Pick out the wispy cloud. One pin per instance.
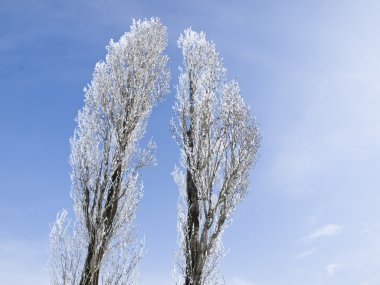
(324, 232)
(332, 268)
(305, 254)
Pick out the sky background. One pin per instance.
(310, 71)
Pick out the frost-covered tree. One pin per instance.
(219, 140)
(101, 246)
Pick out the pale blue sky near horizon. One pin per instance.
(310, 70)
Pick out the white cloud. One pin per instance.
(325, 231)
(305, 254)
(333, 268)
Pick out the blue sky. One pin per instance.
(310, 71)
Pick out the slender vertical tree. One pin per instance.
(219, 140)
(101, 247)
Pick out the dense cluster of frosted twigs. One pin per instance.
(218, 140)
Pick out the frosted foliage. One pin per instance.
(105, 155)
(65, 251)
(218, 140)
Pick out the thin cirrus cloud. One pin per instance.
(305, 254)
(324, 232)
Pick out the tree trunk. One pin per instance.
(89, 271)
(193, 268)
(95, 251)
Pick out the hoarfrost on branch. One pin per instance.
(101, 247)
(218, 140)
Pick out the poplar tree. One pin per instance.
(218, 140)
(100, 247)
